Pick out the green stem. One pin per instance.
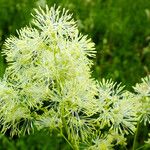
(136, 135)
(65, 126)
(141, 147)
(67, 140)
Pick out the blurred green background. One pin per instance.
(120, 30)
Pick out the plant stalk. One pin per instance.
(136, 136)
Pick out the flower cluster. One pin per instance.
(48, 85)
(117, 108)
(143, 96)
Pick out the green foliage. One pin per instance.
(37, 141)
(48, 86)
